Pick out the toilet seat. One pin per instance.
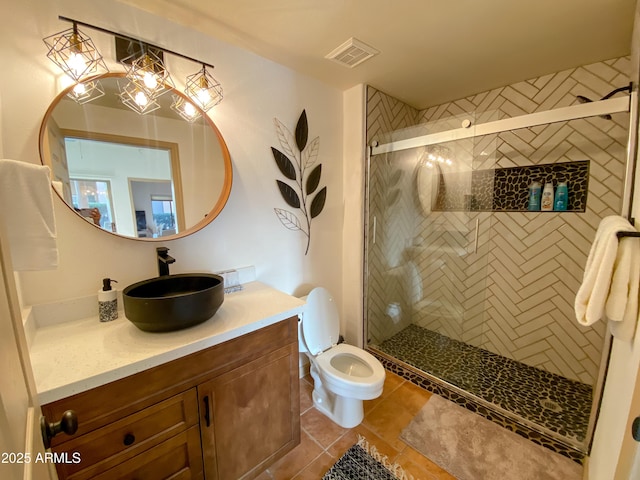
(364, 384)
(320, 324)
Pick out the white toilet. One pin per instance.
(343, 375)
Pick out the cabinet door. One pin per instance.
(250, 416)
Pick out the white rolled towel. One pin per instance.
(27, 215)
(592, 296)
(621, 308)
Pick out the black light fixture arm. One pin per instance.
(133, 39)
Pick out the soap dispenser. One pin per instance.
(107, 301)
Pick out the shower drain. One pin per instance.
(550, 405)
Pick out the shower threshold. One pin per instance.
(545, 402)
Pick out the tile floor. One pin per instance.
(323, 442)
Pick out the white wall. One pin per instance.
(353, 228)
(247, 232)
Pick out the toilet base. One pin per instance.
(346, 412)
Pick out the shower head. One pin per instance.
(617, 90)
(583, 99)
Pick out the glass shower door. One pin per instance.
(427, 257)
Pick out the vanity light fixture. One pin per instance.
(85, 92)
(184, 108)
(148, 77)
(203, 89)
(75, 53)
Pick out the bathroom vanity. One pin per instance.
(218, 401)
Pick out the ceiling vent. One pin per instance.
(352, 52)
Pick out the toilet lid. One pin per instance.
(320, 323)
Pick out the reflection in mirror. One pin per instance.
(151, 176)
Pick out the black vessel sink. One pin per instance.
(173, 302)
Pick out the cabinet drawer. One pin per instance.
(178, 458)
(112, 444)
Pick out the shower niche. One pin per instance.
(507, 189)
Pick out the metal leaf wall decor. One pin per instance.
(296, 162)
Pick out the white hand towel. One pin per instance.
(592, 295)
(27, 215)
(622, 303)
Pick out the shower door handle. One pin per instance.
(375, 226)
(475, 241)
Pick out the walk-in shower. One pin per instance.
(470, 294)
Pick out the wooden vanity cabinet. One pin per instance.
(223, 413)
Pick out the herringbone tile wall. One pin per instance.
(512, 292)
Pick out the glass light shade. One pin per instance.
(75, 53)
(137, 99)
(185, 108)
(203, 90)
(149, 74)
(86, 91)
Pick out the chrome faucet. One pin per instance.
(164, 259)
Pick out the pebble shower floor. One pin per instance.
(543, 398)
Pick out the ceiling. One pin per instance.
(431, 51)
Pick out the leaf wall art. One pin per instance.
(299, 189)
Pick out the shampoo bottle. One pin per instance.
(534, 196)
(107, 301)
(546, 202)
(562, 197)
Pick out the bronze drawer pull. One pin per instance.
(129, 438)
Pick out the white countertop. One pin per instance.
(75, 356)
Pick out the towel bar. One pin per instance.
(627, 234)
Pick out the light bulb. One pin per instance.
(150, 80)
(79, 89)
(141, 99)
(203, 96)
(189, 109)
(76, 63)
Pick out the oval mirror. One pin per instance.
(152, 177)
